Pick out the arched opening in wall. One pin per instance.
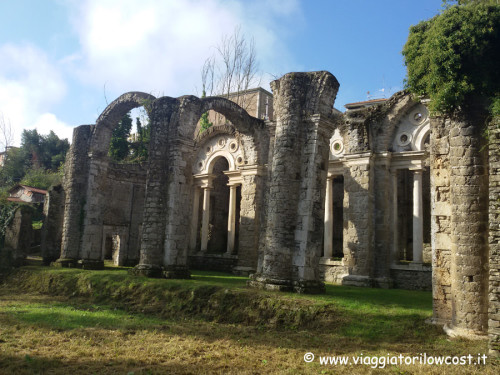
(406, 230)
(219, 236)
(130, 138)
(219, 203)
(338, 217)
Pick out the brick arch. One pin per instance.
(110, 117)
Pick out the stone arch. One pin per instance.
(172, 149)
(384, 122)
(221, 154)
(412, 130)
(91, 244)
(110, 117)
(418, 143)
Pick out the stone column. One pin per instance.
(469, 222)
(418, 231)
(75, 187)
(395, 233)
(494, 238)
(205, 221)
(194, 218)
(231, 219)
(328, 231)
(297, 183)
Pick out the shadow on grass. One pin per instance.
(29, 365)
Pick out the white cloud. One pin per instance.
(48, 121)
(29, 86)
(160, 46)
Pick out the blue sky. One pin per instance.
(61, 61)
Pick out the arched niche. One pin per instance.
(412, 131)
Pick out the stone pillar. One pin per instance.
(18, 235)
(440, 219)
(75, 186)
(469, 222)
(53, 210)
(295, 210)
(91, 247)
(194, 218)
(165, 238)
(395, 236)
(205, 221)
(418, 217)
(383, 231)
(494, 237)
(328, 232)
(358, 200)
(231, 219)
(252, 189)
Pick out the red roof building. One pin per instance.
(27, 194)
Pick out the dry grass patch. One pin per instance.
(78, 335)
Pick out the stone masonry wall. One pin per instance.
(440, 219)
(494, 237)
(75, 186)
(296, 186)
(358, 238)
(251, 195)
(53, 210)
(469, 222)
(19, 234)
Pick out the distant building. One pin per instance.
(364, 104)
(3, 155)
(26, 194)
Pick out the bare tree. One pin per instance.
(6, 134)
(232, 70)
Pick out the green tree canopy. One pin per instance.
(119, 146)
(37, 162)
(453, 57)
(44, 151)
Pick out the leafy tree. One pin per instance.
(140, 145)
(37, 162)
(119, 146)
(40, 178)
(44, 151)
(15, 167)
(453, 57)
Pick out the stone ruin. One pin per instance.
(381, 196)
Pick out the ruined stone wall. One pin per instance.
(440, 219)
(404, 277)
(494, 237)
(75, 186)
(19, 234)
(295, 202)
(469, 222)
(53, 210)
(250, 209)
(123, 207)
(382, 224)
(358, 238)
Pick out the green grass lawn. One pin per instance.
(60, 321)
